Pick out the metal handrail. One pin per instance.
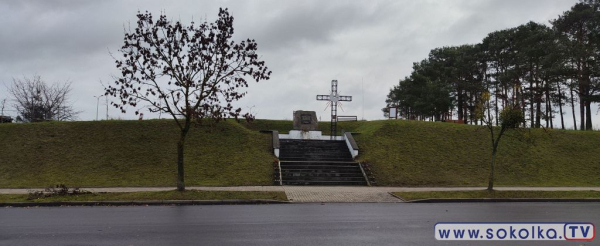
(280, 177)
(364, 173)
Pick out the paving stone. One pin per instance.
(337, 194)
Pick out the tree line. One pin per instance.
(544, 70)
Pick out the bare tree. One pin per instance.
(191, 72)
(37, 101)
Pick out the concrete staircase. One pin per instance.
(318, 162)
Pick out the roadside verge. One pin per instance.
(142, 203)
(499, 196)
(172, 197)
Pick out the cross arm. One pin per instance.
(323, 98)
(345, 98)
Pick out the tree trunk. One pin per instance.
(560, 105)
(538, 111)
(549, 116)
(581, 112)
(489, 109)
(180, 171)
(180, 152)
(523, 105)
(588, 119)
(531, 102)
(496, 104)
(505, 97)
(459, 105)
(491, 180)
(580, 83)
(538, 103)
(466, 116)
(573, 110)
(494, 148)
(581, 101)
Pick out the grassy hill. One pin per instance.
(416, 153)
(131, 153)
(401, 153)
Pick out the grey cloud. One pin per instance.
(305, 43)
(313, 22)
(50, 32)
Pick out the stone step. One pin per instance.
(323, 178)
(325, 146)
(290, 165)
(310, 141)
(317, 145)
(324, 171)
(327, 175)
(314, 143)
(309, 178)
(315, 151)
(318, 150)
(284, 163)
(337, 167)
(308, 182)
(318, 162)
(311, 150)
(313, 159)
(321, 146)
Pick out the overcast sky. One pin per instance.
(305, 43)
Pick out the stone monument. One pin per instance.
(306, 126)
(305, 121)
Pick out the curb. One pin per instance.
(397, 197)
(143, 203)
(491, 200)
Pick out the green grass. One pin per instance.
(131, 153)
(411, 153)
(400, 153)
(411, 196)
(417, 153)
(154, 195)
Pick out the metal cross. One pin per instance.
(334, 98)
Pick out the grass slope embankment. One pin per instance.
(131, 153)
(417, 153)
(400, 153)
(412, 153)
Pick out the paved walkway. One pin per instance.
(337, 194)
(323, 193)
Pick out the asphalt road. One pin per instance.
(285, 224)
